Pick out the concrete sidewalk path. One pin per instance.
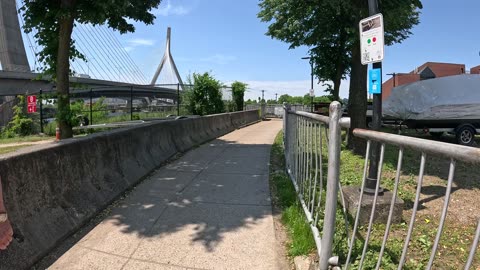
(210, 209)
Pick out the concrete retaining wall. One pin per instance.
(51, 192)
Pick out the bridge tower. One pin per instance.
(167, 59)
(13, 56)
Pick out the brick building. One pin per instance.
(426, 71)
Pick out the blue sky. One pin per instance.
(226, 38)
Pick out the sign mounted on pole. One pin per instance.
(312, 93)
(374, 81)
(371, 39)
(31, 104)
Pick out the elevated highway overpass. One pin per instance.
(19, 83)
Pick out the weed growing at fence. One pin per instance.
(284, 196)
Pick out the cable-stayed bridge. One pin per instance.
(107, 66)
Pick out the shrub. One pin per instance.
(21, 124)
(205, 96)
(238, 92)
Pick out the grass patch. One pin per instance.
(4, 150)
(285, 198)
(33, 138)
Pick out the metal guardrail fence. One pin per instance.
(304, 139)
(275, 110)
(305, 134)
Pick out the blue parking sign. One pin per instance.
(375, 81)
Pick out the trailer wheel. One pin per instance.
(465, 135)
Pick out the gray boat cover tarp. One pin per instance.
(453, 97)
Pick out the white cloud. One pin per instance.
(141, 42)
(219, 59)
(169, 9)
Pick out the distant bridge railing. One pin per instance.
(276, 110)
(313, 143)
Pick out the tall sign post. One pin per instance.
(372, 52)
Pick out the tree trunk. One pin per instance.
(63, 69)
(339, 68)
(357, 100)
(336, 82)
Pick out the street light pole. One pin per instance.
(376, 121)
(311, 81)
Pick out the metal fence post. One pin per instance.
(333, 178)
(131, 103)
(286, 109)
(41, 111)
(178, 99)
(91, 106)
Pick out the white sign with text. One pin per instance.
(371, 39)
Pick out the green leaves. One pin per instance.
(205, 96)
(238, 91)
(330, 29)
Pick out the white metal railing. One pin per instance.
(275, 110)
(307, 136)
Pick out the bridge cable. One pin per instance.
(104, 74)
(129, 67)
(82, 51)
(128, 57)
(101, 46)
(113, 59)
(81, 41)
(112, 47)
(100, 52)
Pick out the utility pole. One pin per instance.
(392, 74)
(276, 97)
(311, 81)
(376, 121)
(263, 100)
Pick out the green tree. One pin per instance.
(238, 92)
(330, 29)
(323, 99)
(271, 101)
(205, 96)
(54, 22)
(249, 101)
(284, 99)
